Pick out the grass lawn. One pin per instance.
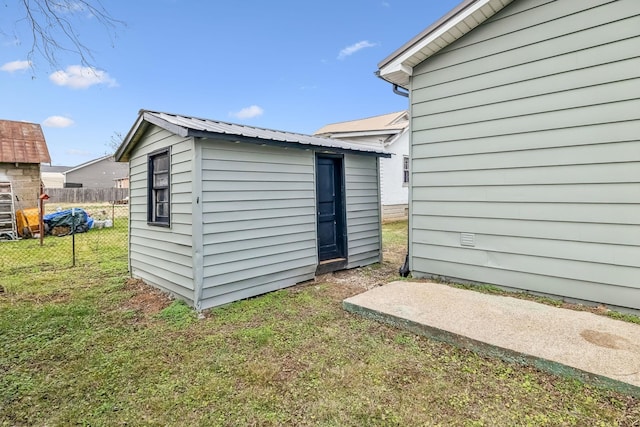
(89, 346)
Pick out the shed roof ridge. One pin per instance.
(190, 126)
(241, 125)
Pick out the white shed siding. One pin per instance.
(163, 256)
(259, 227)
(526, 133)
(363, 210)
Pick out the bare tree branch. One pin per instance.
(52, 28)
(115, 141)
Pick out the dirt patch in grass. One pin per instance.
(145, 299)
(357, 280)
(54, 296)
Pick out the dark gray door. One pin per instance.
(330, 200)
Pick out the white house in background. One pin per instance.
(53, 176)
(390, 132)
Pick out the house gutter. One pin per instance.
(399, 92)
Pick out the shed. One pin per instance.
(221, 212)
(391, 132)
(525, 146)
(22, 149)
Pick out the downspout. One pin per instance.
(404, 269)
(397, 91)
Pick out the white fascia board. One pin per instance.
(396, 137)
(338, 135)
(403, 63)
(398, 70)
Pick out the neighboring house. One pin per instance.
(22, 149)
(525, 146)
(221, 212)
(122, 182)
(97, 173)
(53, 176)
(391, 132)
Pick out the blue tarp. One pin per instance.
(77, 216)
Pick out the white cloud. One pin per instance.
(13, 42)
(350, 50)
(75, 6)
(248, 112)
(78, 77)
(386, 4)
(58, 122)
(16, 66)
(70, 7)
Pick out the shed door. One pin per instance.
(330, 201)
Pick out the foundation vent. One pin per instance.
(467, 239)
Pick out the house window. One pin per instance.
(158, 200)
(405, 170)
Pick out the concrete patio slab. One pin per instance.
(596, 349)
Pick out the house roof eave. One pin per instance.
(397, 68)
(138, 129)
(362, 133)
(85, 164)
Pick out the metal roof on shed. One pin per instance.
(213, 129)
(22, 142)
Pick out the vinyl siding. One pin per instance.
(525, 133)
(101, 174)
(363, 210)
(158, 255)
(259, 222)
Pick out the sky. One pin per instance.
(291, 65)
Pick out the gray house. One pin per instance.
(221, 212)
(525, 146)
(103, 172)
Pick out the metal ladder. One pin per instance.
(7, 213)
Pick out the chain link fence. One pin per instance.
(75, 235)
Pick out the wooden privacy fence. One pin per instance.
(86, 195)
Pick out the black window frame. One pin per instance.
(405, 170)
(152, 189)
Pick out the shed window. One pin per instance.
(405, 169)
(158, 200)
